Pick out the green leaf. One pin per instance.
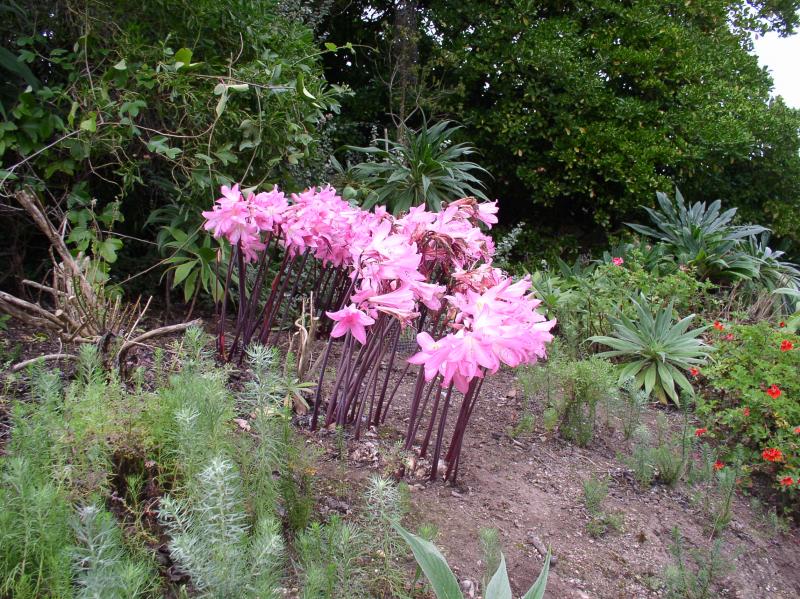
(89, 124)
(538, 588)
(182, 272)
(10, 63)
(499, 587)
(433, 564)
(121, 65)
(107, 249)
(189, 286)
(331, 47)
(183, 57)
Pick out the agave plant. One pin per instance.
(701, 236)
(773, 271)
(656, 349)
(425, 169)
(444, 582)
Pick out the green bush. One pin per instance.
(751, 398)
(584, 384)
(131, 115)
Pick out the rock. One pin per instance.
(468, 588)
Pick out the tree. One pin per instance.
(141, 109)
(586, 108)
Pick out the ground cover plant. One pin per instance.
(162, 472)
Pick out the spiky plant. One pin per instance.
(425, 169)
(702, 236)
(655, 349)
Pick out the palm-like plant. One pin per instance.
(701, 236)
(425, 169)
(773, 271)
(656, 349)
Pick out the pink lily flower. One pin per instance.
(351, 320)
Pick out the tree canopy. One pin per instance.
(585, 108)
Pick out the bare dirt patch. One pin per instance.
(531, 491)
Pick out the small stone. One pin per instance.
(468, 588)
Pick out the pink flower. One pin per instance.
(232, 218)
(398, 303)
(351, 320)
(616, 261)
(486, 213)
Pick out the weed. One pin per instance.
(693, 573)
(595, 491)
(525, 425)
(631, 403)
(490, 548)
(584, 385)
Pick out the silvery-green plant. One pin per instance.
(655, 349)
(213, 541)
(104, 568)
(444, 582)
(703, 237)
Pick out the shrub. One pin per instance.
(656, 349)
(584, 384)
(213, 541)
(104, 567)
(702, 237)
(751, 398)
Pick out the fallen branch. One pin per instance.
(20, 365)
(173, 328)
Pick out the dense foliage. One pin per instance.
(590, 107)
(753, 397)
(121, 113)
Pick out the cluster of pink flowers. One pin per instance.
(494, 326)
(437, 260)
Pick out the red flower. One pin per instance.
(718, 325)
(694, 371)
(786, 345)
(699, 432)
(782, 324)
(718, 465)
(772, 454)
(746, 411)
(729, 337)
(797, 430)
(787, 481)
(774, 392)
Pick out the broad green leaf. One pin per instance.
(433, 564)
(183, 57)
(539, 587)
(107, 249)
(182, 271)
(499, 587)
(89, 124)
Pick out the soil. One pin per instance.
(530, 490)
